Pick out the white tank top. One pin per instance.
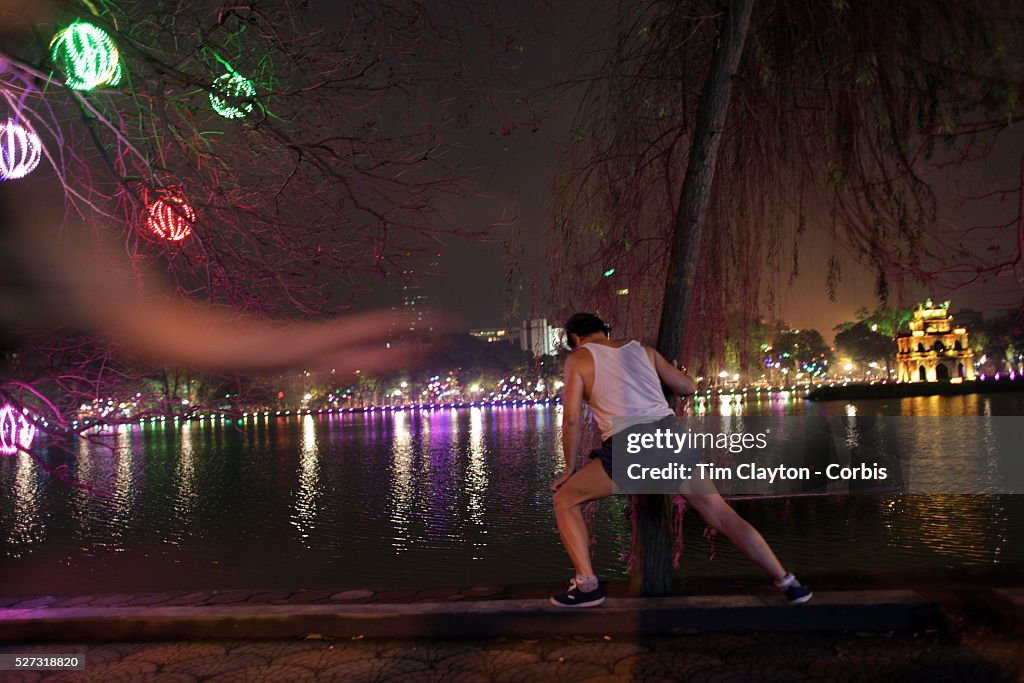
(626, 388)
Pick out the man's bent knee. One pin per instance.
(589, 483)
(563, 498)
(569, 497)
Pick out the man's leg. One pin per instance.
(718, 515)
(590, 483)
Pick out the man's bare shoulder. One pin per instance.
(652, 352)
(619, 343)
(578, 356)
(579, 362)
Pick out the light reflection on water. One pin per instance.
(418, 498)
(402, 481)
(476, 474)
(124, 486)
(82, 499)
(304, 517)
(27, 528)
(959, 528)
(185, 494)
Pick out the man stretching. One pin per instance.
(622, 380)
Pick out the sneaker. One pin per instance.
(798, 595)
(574, 597)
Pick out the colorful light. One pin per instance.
(233, 95)
(171, 217)
(87, 55)
(16, 432)
(19, 150)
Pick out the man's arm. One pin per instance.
(674, 379)
(68, 274)
(572, 430)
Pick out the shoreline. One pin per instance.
(849, 392)
(880, 602)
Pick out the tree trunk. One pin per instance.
(700, 173)
(652, 540)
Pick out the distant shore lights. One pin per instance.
(16, 432)
(19, 150)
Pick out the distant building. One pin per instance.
(540, 338)
(492, 335)
(415, 284)
(536, 336)
(934, 350)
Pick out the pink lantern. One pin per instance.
(20, 149)
(171, 217)
(16, 432)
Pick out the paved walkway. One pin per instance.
(968, 631)
(875, 611)
(718, 658)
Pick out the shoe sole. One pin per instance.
(592, 603)
(802, 599)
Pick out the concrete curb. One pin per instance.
(875, 610)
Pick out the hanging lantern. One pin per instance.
(16, 432)
(87, 55)
(171, 217)
(19, 150)
(233, 95)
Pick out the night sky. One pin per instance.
(511, 178)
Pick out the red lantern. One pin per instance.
(171, 217)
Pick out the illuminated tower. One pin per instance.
(934, 350)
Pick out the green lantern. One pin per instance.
(87, 55)
(233, 95)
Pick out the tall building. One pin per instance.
(418, 291)
(540, 338)
(934, 350)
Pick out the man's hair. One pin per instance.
(582, 324)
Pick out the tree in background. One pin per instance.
(830, 116)
(845, 118)
(473, 361)
(260, 156)
(328, 161)
(798, 356)
(998, 345)
(865, 345)
(886, 320)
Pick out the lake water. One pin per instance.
(440, 497)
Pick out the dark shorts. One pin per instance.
(605, 451)
(605, 454)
